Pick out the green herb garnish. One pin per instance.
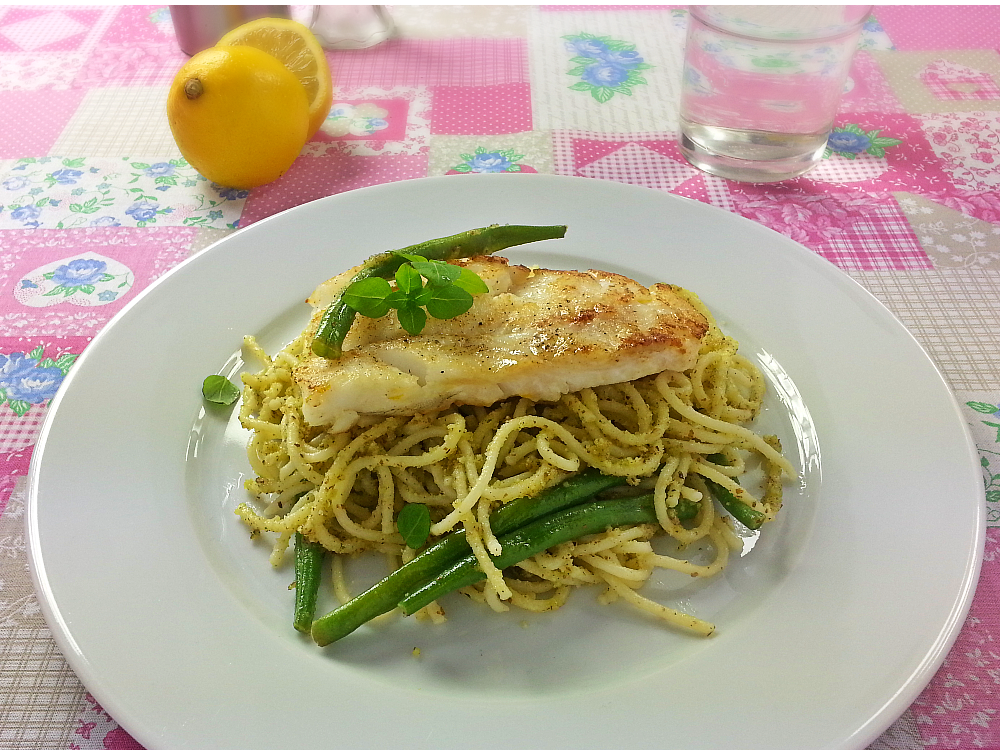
(414, 523)
(338, 318)
(218, 390)
(446, 294)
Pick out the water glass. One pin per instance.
(762, 84)
(351, 26)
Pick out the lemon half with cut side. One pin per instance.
(238, 116)
(297, 49)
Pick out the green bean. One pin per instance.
(751, 518)
(386, 594)
(686, 509)
(308, 567)
(571, 491)
(338, 318)
(535, 537)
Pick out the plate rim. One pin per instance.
(62, 632)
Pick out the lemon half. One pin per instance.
(296, 47)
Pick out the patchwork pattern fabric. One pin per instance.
(950, 81)
(96, 203)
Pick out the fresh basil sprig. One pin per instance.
(219, 390)
(446, 294)
(414, 524)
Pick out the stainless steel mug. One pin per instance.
(199, 27)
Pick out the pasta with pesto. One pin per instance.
(666, 432)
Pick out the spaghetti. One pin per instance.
(674, 431)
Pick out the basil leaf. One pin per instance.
(218, 390)
(408, 280)
(437, 272)
(425, 294)
(412, 318)
(448, 302)
(414, 523)
(471, 282)
(398, 299)
(448, 293)
(368, 297)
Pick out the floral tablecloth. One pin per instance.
(96, 202)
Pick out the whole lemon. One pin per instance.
(238, 115)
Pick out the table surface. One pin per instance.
(907, 203)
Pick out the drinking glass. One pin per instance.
(762, 84)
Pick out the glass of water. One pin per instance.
(762, 84)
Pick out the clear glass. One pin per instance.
(350, 26)
(762, 84)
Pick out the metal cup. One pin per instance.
(199, 27)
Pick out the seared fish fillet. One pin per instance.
(537, 333)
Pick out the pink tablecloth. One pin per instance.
(908, 203)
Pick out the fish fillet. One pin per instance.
(537, 333)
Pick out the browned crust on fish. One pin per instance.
(539, 333)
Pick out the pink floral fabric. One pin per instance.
(96, 202)
(855, 230)
(948, 80)
(968, 146)
(959, 710)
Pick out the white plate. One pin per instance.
(828, 628)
